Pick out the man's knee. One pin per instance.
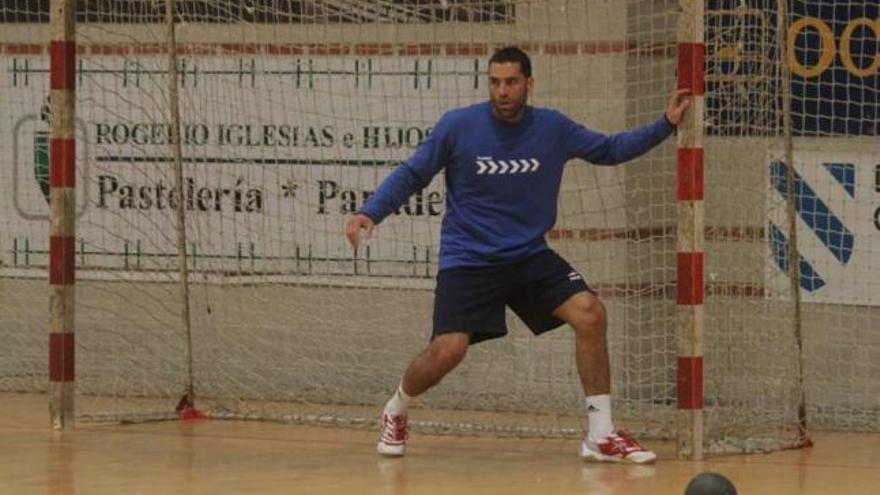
(449, 349)
(585, 312)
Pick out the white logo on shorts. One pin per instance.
(572, 276)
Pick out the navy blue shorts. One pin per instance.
(472, 299)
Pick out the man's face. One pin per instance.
(508, 90)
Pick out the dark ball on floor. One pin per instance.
(710, 484)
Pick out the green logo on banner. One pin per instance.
(41, 161)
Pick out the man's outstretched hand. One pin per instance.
(678, 103)
(355, 224)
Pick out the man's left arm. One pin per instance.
(618, 148)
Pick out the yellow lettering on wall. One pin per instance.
(825, 58)
(846, 56)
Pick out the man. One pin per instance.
(492, 249)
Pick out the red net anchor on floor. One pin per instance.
(186, 409)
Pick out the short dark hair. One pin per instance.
(512, 54)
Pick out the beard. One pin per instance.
(508, 109)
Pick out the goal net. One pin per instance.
(292, 112)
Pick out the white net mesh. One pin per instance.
(833, 118)
(292, 112)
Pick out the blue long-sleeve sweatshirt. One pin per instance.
(502, 179)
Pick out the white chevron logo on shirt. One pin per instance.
(486, 165)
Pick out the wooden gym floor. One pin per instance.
(226, 457)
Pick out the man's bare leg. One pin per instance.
(587, 316)
(441, 356)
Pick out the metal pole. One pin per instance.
(62, 214)
(188, 399)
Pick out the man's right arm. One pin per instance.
(392, 192)
(412, 175)
(402, 183)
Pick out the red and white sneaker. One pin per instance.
(616, 447)
(394, 435)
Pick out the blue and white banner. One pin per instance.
(838, 221)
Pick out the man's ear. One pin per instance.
(530, 85)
